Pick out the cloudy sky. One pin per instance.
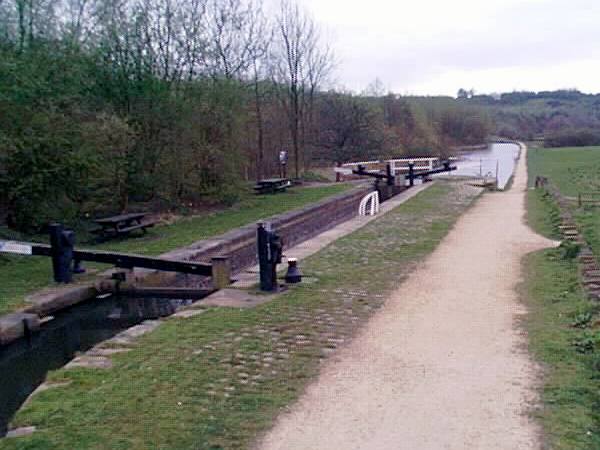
(436, 46)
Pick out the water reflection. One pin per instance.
(497, 159)
(25, 363)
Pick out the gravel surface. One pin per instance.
(443, 364)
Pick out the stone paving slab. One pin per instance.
(187, 313)
(236, 298)
(90, 362)
(20, 432)
(12, 326)
(128, 336)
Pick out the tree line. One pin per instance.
(559, 118)
(109, 103)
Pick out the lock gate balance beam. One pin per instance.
(121, 260)
(412, 174)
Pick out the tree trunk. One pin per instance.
(295, 126)
(260, 151)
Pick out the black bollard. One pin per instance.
(269, 247)
(411, 174)
(62, 242)
(390, 176)
(293, 274)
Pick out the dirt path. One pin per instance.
(443, 365)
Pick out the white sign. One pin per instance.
(342, 170)
(15, 247)
(283, 157)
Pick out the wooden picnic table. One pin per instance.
(123, 224)
(272, 185)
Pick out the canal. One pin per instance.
(25, 363)
(497, 159)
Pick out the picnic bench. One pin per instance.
(122, 224)
(272, 185)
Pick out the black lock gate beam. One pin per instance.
(412, 174)
(129, 261)
(388, 176)
(62, 255)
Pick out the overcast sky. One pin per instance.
(436, 46)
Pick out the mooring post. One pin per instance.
(264, 256)
(221, 271)
(269, 247)
(390, 176)
(62, 242)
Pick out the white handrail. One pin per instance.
(372, 200)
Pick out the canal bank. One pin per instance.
(103, 320)
(239, 245)
(223, 374)
(78, 332)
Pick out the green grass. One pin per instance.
(183, 386)
(20, 276)
(562, 323)
(570, 354)
(543, 214)
(571, 169)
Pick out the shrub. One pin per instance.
(570, 250)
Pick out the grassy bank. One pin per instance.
(22, 275)
(218, 380)
(562, 324)
(571, 169)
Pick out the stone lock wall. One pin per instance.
(294, 227)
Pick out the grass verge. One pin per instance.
(572, 170)
(216, 381)
(20, 276)
(562, 326)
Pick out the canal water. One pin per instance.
(25, 363)
(500, 158)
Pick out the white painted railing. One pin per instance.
(369, 205)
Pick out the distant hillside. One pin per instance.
(563, 117)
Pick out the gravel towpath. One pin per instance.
(443, 365)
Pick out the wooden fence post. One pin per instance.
(221, 272)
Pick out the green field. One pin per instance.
(562, 324)
(573, 170)
(22, 275)
(218, 380)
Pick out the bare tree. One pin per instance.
(35, 18)
(258, 52)
(231, 26)
(192, 42)
(320, 63)
(296, 39)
